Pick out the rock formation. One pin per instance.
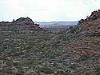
(19, 24)
(91, 23)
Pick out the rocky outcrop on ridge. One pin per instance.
(23, 23)
(92, 23)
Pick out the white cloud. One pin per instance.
(48, 10)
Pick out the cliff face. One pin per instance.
(19, 24)
(91, 23)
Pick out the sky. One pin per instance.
(47, 10)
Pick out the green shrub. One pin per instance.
(46, 70)
(75, 29)
(97, 70)
(61, 72)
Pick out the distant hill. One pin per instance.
(22, 23)
(56, 23)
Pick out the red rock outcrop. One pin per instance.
(26, 23)
(91, 23)
(23, 23)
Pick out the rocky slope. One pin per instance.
(89, 31)
(84, 45)
(92, 22)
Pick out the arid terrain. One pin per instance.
(28, 49)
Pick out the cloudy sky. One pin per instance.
(47, 10)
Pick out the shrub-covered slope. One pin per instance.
(37, 51)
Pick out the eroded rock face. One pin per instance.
(91, 23)
(23, 23)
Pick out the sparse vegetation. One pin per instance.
(41, 52)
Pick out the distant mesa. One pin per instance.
(22, 23)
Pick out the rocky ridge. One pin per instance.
(91, 23)
(89, 35)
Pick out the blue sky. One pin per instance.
(47, 10)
